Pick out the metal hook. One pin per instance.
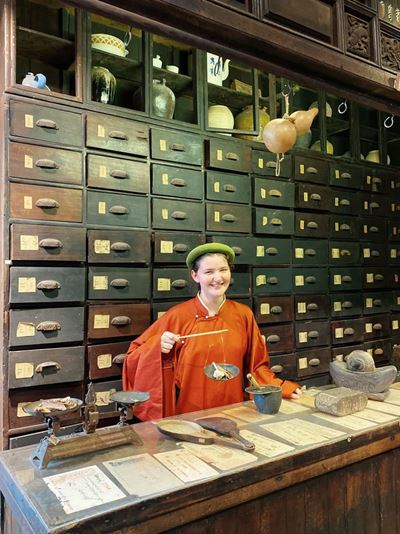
(342, 107)
(287, 88)
(389, 121)
(128, 37)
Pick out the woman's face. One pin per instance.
(213, 275)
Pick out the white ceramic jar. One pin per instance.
(220, 117)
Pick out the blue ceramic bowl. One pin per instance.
(267, 399)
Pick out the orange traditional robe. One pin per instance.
(176, 381)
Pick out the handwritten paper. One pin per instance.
(384, 407)
(300, 432)
(223, 458)
(377, 417)
(83, 488)
(288, 407)
(347, 421)
(185, 465)
(266, 446)
(247, 413)
(393, 397)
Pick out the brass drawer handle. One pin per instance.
(273, 280)
(271, 164)
(48, 326)
(375, 253)
(311, 170)
(378, 352)
(276, 310)
(276, 222)
(119, 282)
(348, 331)
(232, 156)
(46, 164)
(47, 123)
(178, 147)
(180, 248)
(275, 193)
(118, 210)
(347, 304)
(119, 358)
(379, 277)
(48, 284)
(310, 252)
(344, 202)
(345, 252)
(237, 250)
(345, 175)
(229, 218)
(347, 278)
(374, 229)
(314, 362)
(374, 205)
(277, 368)
(117, 173)
(117, 134)
(377, 303)
(344, 227)
(180, 283)
(273, 338)
(120, 246)
(310, 279)
(50, 243)
(229, 188)
(179, 215)
(121, 320)
(178, 182)
(313, 334)
(271, 251)
(47, 365)
(316, 197)
(312, 306)
(46, 203)
(377, 326)
(312, 224)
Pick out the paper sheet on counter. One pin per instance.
(288, 407)
(385, 407)
(347, 421)
(223, 458)
(393, 397)
(185, 465)
(266, 446)
(373, 415)
(300, 432)
(247, 413)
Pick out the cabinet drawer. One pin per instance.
(311, 334)
(177, 182)
(117, 135)
(45, 124)
(394, 230)
(45, 203)
(374, 278)
(345, 278)
(266, 280)
(375, 205)
(379, 181)
(373, 229)
(348, 331)
(158, 309)
(310, 280)
(340, 353)
(34, 438)
(229, 155)
(46, 326)
(310, 196)
(380, 350)
(178, 215)
(117, 320)
(277, 309)
(278, 337)
(284, 366)
(310, 252)
(103, 392)
(228, 218)
(173, 283)
(173, 247)
(311, 170)
(377, 326)
(394, 254)
(344, 253)
(117, 210)
(39, 285)
(47, 243)
(346, 304)
(45, 366)
(345, 175)
(265, 163)
(345, 202)
(228, 187)
(311, 225)
(119, 246)
(119, 283)
(240, 284)
(244, 247)
(271, 251)
(273, 193)
(120, 174)
(374, 254)
(343, 227)
(181, 147)
(270, 221)
(33, 162)
(311, 306)
(379, 302)
(312, 362)
(105, 360)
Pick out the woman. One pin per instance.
(172, 369)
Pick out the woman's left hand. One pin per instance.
(296, 394)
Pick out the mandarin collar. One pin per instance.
(202, 309)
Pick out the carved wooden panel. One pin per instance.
(390, 52)
(357, 36)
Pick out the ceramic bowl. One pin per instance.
(317, 147)
(267, 399)
(173, 68)
(108, 43)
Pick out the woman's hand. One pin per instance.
(168, 340)
(296, 394)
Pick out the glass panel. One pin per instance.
(46, 46)
(117, 63)
(337, 113)
(392, 136)
(302, 98)
(369, 134)
(173, 92)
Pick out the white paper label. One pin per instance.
(29, 242)
(166, 247)
(367, 252)
(216, 187)
(370, 278)
(23, 370)
(163, 145)
(305, 196)
(164, 179)
(28, 162)
(219, 154)
(263, 192)
(101, 132)
(260, 251)
(264, 308)
(302, 363)
(164, 214)
(163, 284)
(102, 171)
(25, 330)
(28, 121)
(299, 253)
(299, 280)
(302, 224)
(335, 253)
(27, 203)
(301, 307)
(303, 337)
(368, 328)
(260, 163)
(264, 220)
(102, 246)
(104, 361)
(100, 282)
(393, 253)
(27, 284)
(101, 321)
(337, 306)
(216, 216)
(369, 303)
(395, 324)
(101, 208)
(261, 279)
(337, 279)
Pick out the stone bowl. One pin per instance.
(267, 399)
(370, 382)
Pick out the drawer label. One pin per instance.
(337, 306)
(336, 253)
(369, 303)
(27, 203)
(301, 224)
(101, 321)
(25, 330)
(337, 201)
(301, 307)
(101, 132)
(303, 337)
(163, 145)
(337, 279)
(365, 229)
(301, 168)
(264, 308)
(263, 192)
(164, 214)
(299, 280)
(299, 253)
(395, 324)
(216, 216)
(366, 204)
(398, 301)
(368, 328)
(160, 314)
(219, 154)
(338, 333)
(305, 196)
(29, 242)
(260, 163)
(27, 284)
(370, 278)
(104, 361)
(369, 180)
(100, 282)
(164, 178)
(337, 174)
(216, 187)
(20, 409)
(166, 247)
(261, 279)
(393, 253)
(28, 162)
(367, 252)
(102, 171)
(264, 221)
(103, 397)
(302, 363)
(28, 120)
(23, 370)
(337, 227)
(260, 251)
(102, 246)
(101, 208)
(163, 284)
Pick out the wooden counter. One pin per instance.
(345, 481)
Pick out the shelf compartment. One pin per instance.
(178, 83)
(49, 49)
(121, 67)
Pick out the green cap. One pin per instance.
(210, 248)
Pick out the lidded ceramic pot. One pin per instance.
(244, 121)
(163, 103)
(220, 117)
(103, 85)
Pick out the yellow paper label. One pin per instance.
(103, 398)
(23, 370)
(367, 252)
(337, 306)
(25, 330)
(302, 363)
(301, 168)
(264, 308)
(166, 247)
(301, 307)
(302, 224)
(337, 174)
(28, 121)
(365, 205)
(101, 132)
(28, 162)
(160, 314)
(337, 279)
(261, 279)
(303, 337)
(263, 192)
(337, 227)
(101, 321)
(264, 221)
(305, 196)
(101, 208)
(219, 154)
(100, 282)
(102, 246)
(29, 242)
(299, 253)
(299, 280)
(369, 303)
(163, 145)
(370, 278)
(393, 207)
(369, 180)
(335, 253)
(27, 203)
(394, 230)
(104, 361)
(398, 301)
(368, 328)
(393, 253)
(164, 284)
(27, 284)
(338, 333)
(365, 228)
(260, 251)
(337, 201)
(216, 187)
(164, 214)
(260, 163)
(20, 409)
(102, 171)
(216, 216)
(164, 178)
(395, 324)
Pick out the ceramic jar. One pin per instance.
(244, 121)
(303, 141)
(220, 117)
(103, 85)
(163, 103)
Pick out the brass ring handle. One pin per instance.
(118, 210)
(180, 248)
(50, 243)
(314, 362)
(121, 320)
(47, 203)
(180, 283)
(178, 182)
(273, 338)
(178, 147)
(229, 188)
(237, 250)
(117, 173)
(48, 326)
(276, 310)
(47, 123)
(120, 246)
(48, 284)
(117, 134)
(271, 251)
(119, 282)
(179, 215)
(229, 218)
(46, 164)
(232, 156)
(119, 358)
(310, 252)
(277, 368)
(46, 365)
(312, 306)
(311, 170)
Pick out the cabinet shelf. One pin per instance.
(229, 97)
(178, 83)
(49, 49)
(337, 126)
(121, 67)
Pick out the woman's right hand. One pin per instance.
(168, 340)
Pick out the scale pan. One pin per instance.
(44, 406)
(130, 398)
(213, 370)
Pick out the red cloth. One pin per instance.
(147, 369)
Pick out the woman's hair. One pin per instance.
(196, 263)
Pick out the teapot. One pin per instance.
(38, 81)
(217, 69)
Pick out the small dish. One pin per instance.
(213, 371)
(108, 43)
